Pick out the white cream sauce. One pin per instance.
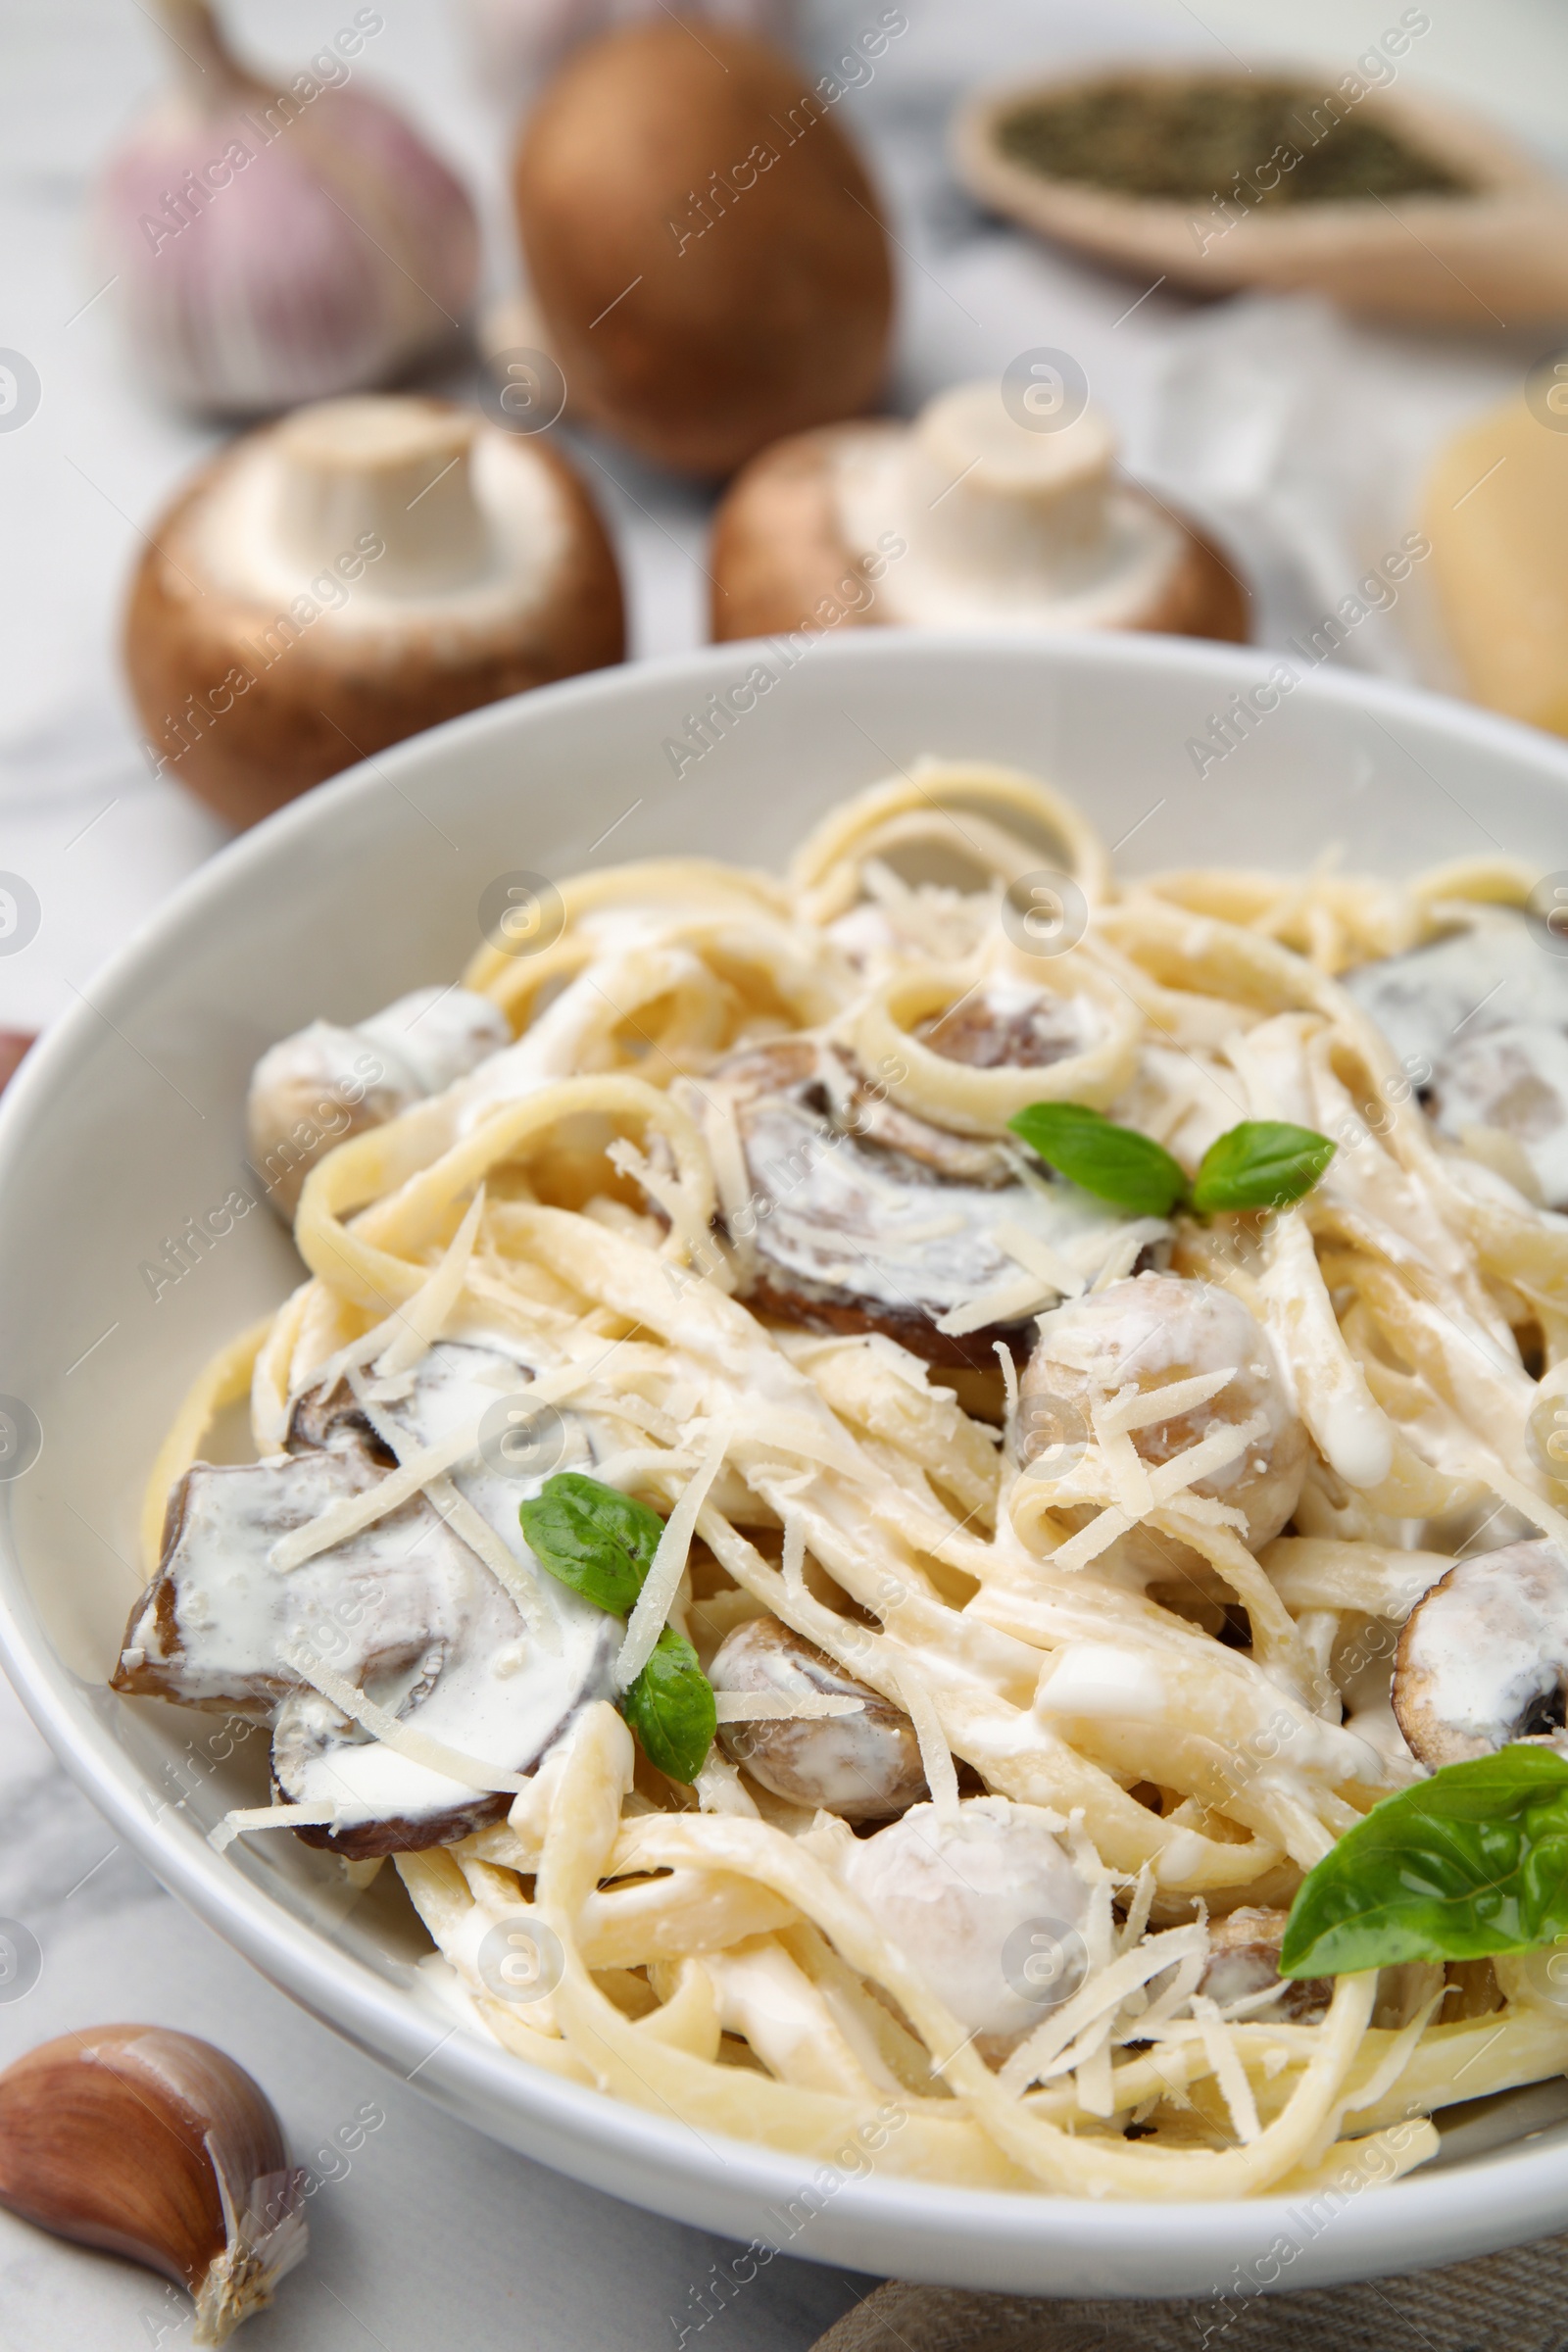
(1100, 1681)
(1488, 1644)
(845, 1214)
(404, 1610)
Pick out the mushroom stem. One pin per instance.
(1024, 510)
(397, 471)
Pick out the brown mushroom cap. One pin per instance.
(704, 245)
(249, 700)
(779, 559)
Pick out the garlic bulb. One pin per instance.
(277, 241)
(354, 575)
(149, 2143)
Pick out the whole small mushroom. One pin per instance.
(965, 519)
(360, 571)
(1156, 1331)
(312, 1091)
(862, 1767)
(702, 243)
(989, 1907)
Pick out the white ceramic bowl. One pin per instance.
(128, 1120)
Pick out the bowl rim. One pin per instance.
(871, 2222)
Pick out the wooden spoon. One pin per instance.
(1496, 258)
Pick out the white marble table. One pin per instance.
(1303, 437)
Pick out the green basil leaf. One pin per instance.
(671, 1708)
(1263, 1163)
(1114, 1164)
(592, 1537)
(1470, 1862)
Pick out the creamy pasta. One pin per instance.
(1046, 1556)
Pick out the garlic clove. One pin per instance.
(279, 242)
(149, 2143)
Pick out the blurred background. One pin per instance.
(1299, 432)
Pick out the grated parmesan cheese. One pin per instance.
(935, 1754)
(654, 1602)
(423, 1317)
(245, 1818)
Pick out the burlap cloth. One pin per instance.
(1513, 2302)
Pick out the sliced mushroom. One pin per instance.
(1481, 1019)
(1483, 1660)
(454, 1381)
(1244, 1962)
(1152, 1331)
(987, 1905)
(313, 1090)
(403, 1611)
(863, 1767)
(862, 1216)
(1007, 1025)
(969, 518)
(1244, 1949)
(1511, 1082)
